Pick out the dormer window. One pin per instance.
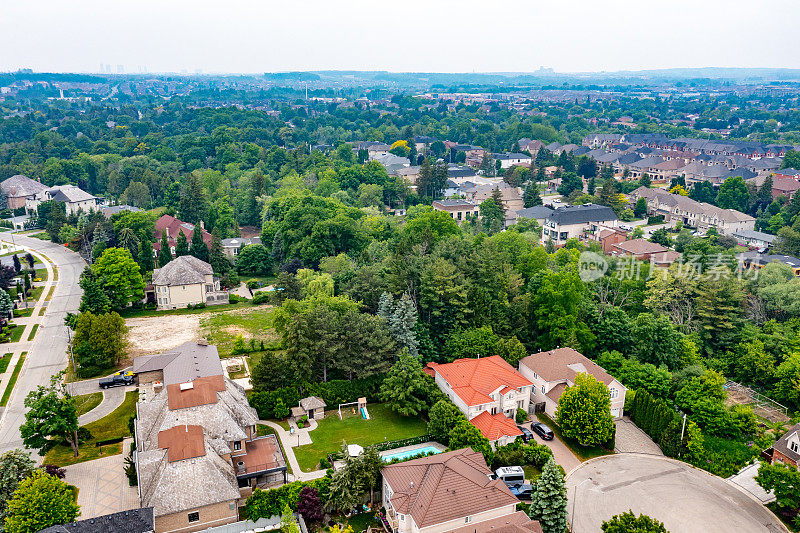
(237, 445)
(793, 446)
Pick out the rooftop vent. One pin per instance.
(187, 386)
(202, 342)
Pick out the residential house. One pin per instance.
(510, 159)
(601, 140)
(754, 239)
(539, 213)
(410, 173)
(791, 173)
(450, 492)
(757, 261)
(460, 210)
(172, 227)
(786, 449)
(488, 391)
(112, 210)
(553, 371)
(784, 187)
(74, 199)
(198, 456)
(20, 188)
(133, 521)
(607, 237)
(530, 146)
(576, 222)
(231, 247)
(423, 143)
(184, 281)
(644, 250)
(509, 196)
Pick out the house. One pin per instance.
(509, 196)
(410, 173)
(784, 187)
(172, 227)
(786, 449)
(184, 281)
(574, 222)
(19, 188)
(485, 385)
(450, 492)
(74, 199)
(231, 247)
(757, 261)
(313, 407)
(539, 213)
(460, 210)
(641, 249)
(133, 521)
(754, 239)
(112, 210)
(198, 456)
(607, 237)
(508, 160)
(553, 371)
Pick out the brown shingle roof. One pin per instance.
(782, 444)
(563, 364)
(202, 391)
(639, 247)
(182, 442)
(445, 487)
(518, 522)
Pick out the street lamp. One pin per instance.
(575, 497)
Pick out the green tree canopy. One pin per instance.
(39, 502)
(584, 411)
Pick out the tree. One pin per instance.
(569, 182)
(199, 248)
(584, 411)
(402, 324)
(137, 194)
(51, 415)
(783, 480)
(39, 502)
(549, 500)
(17, 264)
(30, 260)
(465, 435)
(531, 197)
(94, 298)
(628, 522)
(15, 465)
(405, 389)
(443, 416)
(181, 245)
(278, 252)
(100, 342)
(661, 236)
(216, 255)
(640, 208)
(120, 277)
(492, 215)
(146, 263)
(443, 296)
(645, 180)
(655, 340)
(733, 194)
(164, 252)
(254, 260)
(308, 504)
(791, 159)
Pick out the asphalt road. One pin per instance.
(48, 352)
(685, 499)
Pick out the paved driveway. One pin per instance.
(103, 485)
(685, 499)
(561, 453)
(631, 439)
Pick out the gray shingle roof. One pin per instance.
(133, 521)
(582, 214)
(183, 363)
(535, 212)
(69, 193)
(21, 186)
(183, 270)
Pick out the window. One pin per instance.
(614, 393)
(194, 517)
(237, 446)
(793, 446)
(467, 519)
(542, 389)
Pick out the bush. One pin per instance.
(324, 464)
(521, 416)
(657, 219)
(235, 299)
(261, 297)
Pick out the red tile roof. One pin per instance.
(203, 391)
(182, 442)
(473, 380)
(173, 226)
(495, 426)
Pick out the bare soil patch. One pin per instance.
(150, 335)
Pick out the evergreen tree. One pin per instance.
(531, 196)
(541, 175)
(146, 263)
(645, 180)
(402, 324)
(549, 500)
(386, 306)
(425, 178)
(497, 196)
(94, 299)
(181, 245)
(278, 252)
(405, 388)
(17, 264)
(6, 307)
(199, 248)
(164, 254)
(591, 186)
(219, 262)
(128, 240)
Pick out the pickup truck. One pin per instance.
(116, 381)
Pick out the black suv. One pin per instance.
(526, 433)
(543, 431)
(115, 381)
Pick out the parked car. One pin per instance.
(543, 431)
(510, 475)
(116, 381)
(523, 491)
(526, 433)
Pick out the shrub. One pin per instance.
(521, 416)
(262, 297)
(235, 299)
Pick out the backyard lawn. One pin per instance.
(110, 427)
(86, 402)
(384, 425)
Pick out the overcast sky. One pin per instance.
(405, 36)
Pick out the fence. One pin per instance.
(762, 405)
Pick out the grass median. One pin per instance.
(13, 380)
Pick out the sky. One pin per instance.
(253, 36)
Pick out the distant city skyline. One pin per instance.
(245, 36)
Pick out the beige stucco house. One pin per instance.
(184, 281)
(553, 371)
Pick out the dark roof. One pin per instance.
(581, 214)
(133, 521)
(537, 211)
(782, 444)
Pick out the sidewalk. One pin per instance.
(289, 441)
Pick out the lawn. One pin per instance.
(262, 430)
(532, 473)
(23, 312)
(42, 235)
(251, 322)
(50, 293)
(143, 313)
(4, 362)
(86, 402)
(16, 332)
(36, 292)
(13, 380)
(384, 425)
(112, 426)
(583, 453)
(32, 334)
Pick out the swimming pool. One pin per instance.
(411, 453)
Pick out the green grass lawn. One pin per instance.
(36, 292)
(32, 334)
(583, 453)
(222, 329)
(532, 473)
(384, 425)
(112, 426)
(23, 312)
(4, 362)
(13, 380)
(42, 235)
(16, 332)
(359, 522)
(50, 293)
(86, 402)
(143, 313)
(41, 273)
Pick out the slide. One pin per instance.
(364, 413)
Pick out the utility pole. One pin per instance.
(683, 427)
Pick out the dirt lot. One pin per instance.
(157, 334)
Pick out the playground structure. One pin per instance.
(762, 406)
(361, 408)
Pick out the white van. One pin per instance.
(510, 475)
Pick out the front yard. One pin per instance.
(383, 425)
(583, 453)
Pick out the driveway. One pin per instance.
(746, 480)
(684, 498)
(561, 453)
(103, 485)
(631, 439)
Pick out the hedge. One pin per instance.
(383, 446)
(660, 421)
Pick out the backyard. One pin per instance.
(384, 425)
(253, 322)
(113, 427)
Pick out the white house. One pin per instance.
(553, 371)
(575, 221)
(186, 280)
(74, 198)
(511, 159)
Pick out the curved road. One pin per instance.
(47, 354)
